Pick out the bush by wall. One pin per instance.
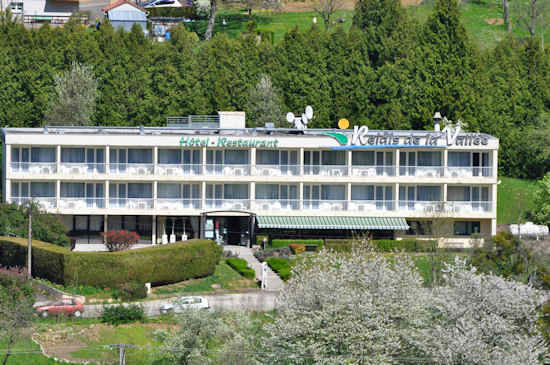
(119, 314)
(241, 266)
(157, 264)
(281, 266)
(130, 291)
(285, 243)
(188, 12)
(407, 245)
(262, 255)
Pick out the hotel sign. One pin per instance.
(447, 137)
(228, 142)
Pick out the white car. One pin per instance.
(183, 303)
(162, 4)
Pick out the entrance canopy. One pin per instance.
(315, 222)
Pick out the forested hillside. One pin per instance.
(388, 72)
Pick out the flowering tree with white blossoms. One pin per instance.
(481, 319)
(366, 308)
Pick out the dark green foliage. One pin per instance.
(120, 314)
(281, 266)
(262, 255)
(45, 226)
(285, 243)
(407, 245)
(241, 266)
(158, 265)
(130, 291)
(188, 12)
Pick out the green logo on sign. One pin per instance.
(340, 137)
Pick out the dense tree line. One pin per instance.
(388, 72)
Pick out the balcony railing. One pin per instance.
(42, 168)
(231, 204)
(136, 169)
(366, 171)
(227, 169)
(131, 203)
(325, 205)
(326, 170)
(371, 205)
(437, 207)
(179, 169)
(81, 203)
(177, 204)
(470, 206)
(44, 202)
(81, 168)
(421, 171)
(276, 204)
(467, 171)
(277, 170)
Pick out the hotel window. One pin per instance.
(276, 157)
(468, 193)
(20, 189)
(420, 228)
(73, 155)
(333, 158)
(428, 161)
(473, 163)
(467, 228)
(169, 191)
(42, 189)
(43, 154)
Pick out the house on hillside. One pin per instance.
(55, 12)
(123, 14)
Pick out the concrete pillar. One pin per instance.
(444, 192)
(252, 162)
(493, 226)
(58, 159)
(7, 190)
(7, 159)
(154, 230)
(494, 199)
(397, 162)
(495, 163)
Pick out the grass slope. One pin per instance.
(508, 205)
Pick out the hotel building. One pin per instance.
(212, 177)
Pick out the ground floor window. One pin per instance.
(467, 228)
(420, 228)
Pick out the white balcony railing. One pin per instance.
(227, 170)
(467, 171)
(44, 202)
(39, 168)
(277, 170)
(231, 204)
(371, 205)
(421, 171)
(469, 206)
(136, 169)
(179, 169)
(80, 203)
(177, 204)
(131, 203)
(275, 204)
(437, 207)
(81, 168)
(325, 205)
(367, 171)
(326, 170)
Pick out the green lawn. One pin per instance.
(508, 203)
(224, 276)
(27, 352)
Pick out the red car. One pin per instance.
(67, 307)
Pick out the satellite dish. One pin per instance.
(304, 119)
(290, 117)
(309, 112)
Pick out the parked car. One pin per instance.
(67, 307)
(183, 303)
(162, 4)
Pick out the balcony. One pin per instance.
(39, 168)
(227, 170)
(325, 205)
(277, 170)
(368, 171)
(421, 171)
(326, 170)
(179, 169)
(470, 206)
(134, 169)
(468, 171)
(81, 168)
(438, 207)
(275, 204)
(81, 203)
(371, 205)
(178, 204)
(131, 203)
(229, 204)
(43, 202)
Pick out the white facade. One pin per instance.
(155, 173)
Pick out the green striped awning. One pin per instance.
(314, 222)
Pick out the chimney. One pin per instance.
(437, 121)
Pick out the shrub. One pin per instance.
(188, 12)
(280, 266)
(407, 245)
(286, 243)
(157, 264)
(297, 248)
(241, 266)
(119, 314)
(16, 277)
(262, 255)
(120, 240)
(130, 291)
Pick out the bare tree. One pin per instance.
(506, 14)
(76, 91)
(264, 103)
(441, 228)
(211, 20)
(326, 8)
(533, 15)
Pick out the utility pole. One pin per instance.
(122, 351)
(29, 246)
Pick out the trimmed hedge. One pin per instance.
(281, 266)
(188, 12)
(241, 266)
(407, 245)
(157, 264)
(285, 243)
(262, 255)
